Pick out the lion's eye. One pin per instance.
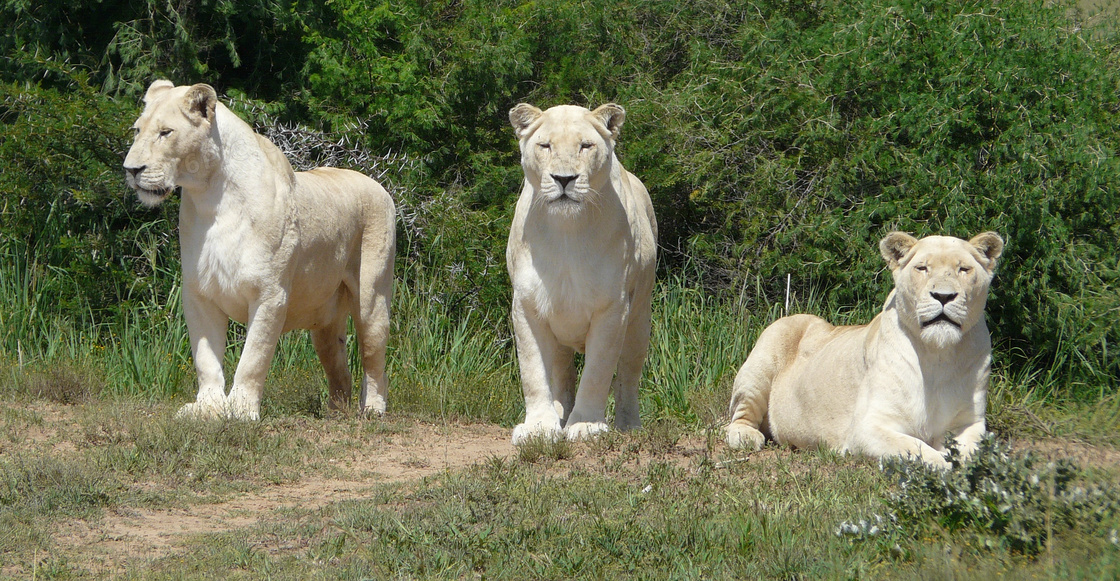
(545, 145)
(164, 132)
(965, 270)
(586, 145)
(921, 268)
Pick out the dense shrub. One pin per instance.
(129, 43)
(998, 499)
(777, 138)
(786, 138)
(65, 206)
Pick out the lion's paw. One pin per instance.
(202, 410)
(585, 430)
(239, 408)
(522, 433)
(374, 407)
(742, 436)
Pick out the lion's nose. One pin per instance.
(563, 180)
(134, 171)
(943, 298)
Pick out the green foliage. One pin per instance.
(67, 214)
(777, 139)
(127, 44)
(995, 499)
(785, 138)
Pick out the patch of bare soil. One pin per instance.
(128, 537)
(1077, 452)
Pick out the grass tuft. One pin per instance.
(543, 448)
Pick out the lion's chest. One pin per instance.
(569, 299)
(926, 392)
(227, 267)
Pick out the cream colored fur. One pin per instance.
(581, 256)
(896, 386)
(265, 246)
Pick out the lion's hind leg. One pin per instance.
(375, 295)
(373, 333)
(330, 344)
(775, 349)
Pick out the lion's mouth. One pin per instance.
(563, 198)
(942, 318)
(154, 196)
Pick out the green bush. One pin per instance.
(997, 499)
(785, 138)
(777, 139)
(67, 213)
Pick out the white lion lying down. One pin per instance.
(897, 386)
(265, 246)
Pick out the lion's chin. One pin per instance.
(564, 205)
(153, 198)
(941, 333)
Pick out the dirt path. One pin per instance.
(128, 537)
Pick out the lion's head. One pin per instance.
(567, 152)
(172, 144)
(941, 282)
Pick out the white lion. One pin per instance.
(897, 386)
(266, 246)
(581, 256)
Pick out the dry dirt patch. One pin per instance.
(129, 536)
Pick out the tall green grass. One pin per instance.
(446, 361)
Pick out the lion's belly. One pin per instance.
(571, 328)
(315, 290)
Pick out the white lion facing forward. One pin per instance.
(266, 246)
(896, 386)
(581, 256)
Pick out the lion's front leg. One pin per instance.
(970, 426)
(631, 359)
(537, 351)
(604, 346)
(880, 441)
(968, 439)
(206, 324)
(266, 323)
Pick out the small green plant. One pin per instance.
(995, 499)
(541, 447)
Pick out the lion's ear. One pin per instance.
(522, 116)
(156, 88)
(894, 247)
(990, 246)
(611, 116)
(200, 102)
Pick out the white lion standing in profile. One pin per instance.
(581, 256)
(896, 386)
(266, 246)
